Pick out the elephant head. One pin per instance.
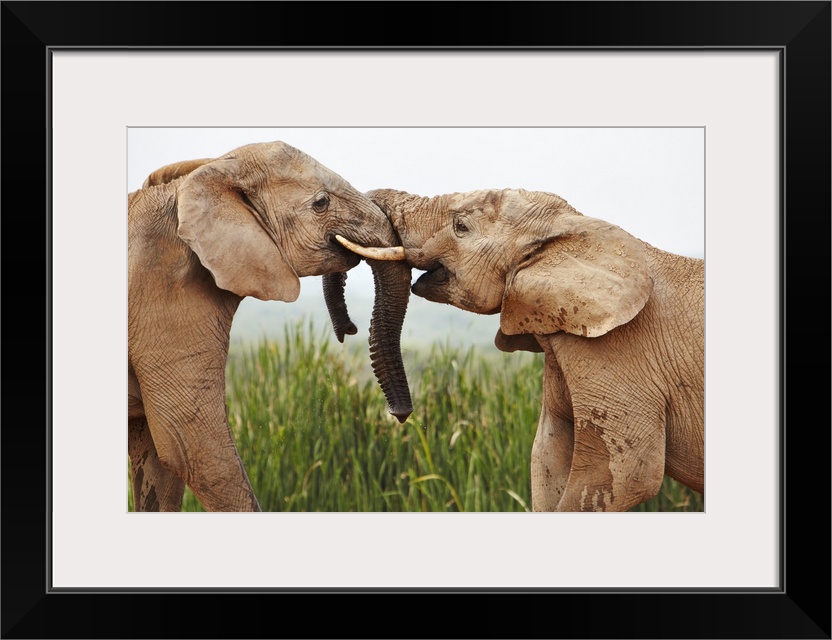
(264, 215)
(529, 256)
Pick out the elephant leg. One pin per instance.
(201, 451)
(193, 439)
(155, 488)
(617, 462)
(551, 460)
(554, 441)
(181, 376)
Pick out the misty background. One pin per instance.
(649, 181)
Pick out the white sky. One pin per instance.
(649, 181)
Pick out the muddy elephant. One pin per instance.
(621, 324)
(202, 235)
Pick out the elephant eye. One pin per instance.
(460, 227)
(321, 203)
(246, 199)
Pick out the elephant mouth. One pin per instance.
(349, 258)
(431, 284)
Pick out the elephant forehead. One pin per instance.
(512, 205)
(488, 202)
(284, 162)
(275, 151)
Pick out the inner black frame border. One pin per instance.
(798, 31)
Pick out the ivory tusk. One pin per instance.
(374, 253)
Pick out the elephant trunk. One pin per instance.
(392, 292)
(336, 304)
(391, 277)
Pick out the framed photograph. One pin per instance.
(717, 113)
(466, 410)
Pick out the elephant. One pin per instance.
(620, 324)
(202, 235)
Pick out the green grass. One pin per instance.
(311, 426)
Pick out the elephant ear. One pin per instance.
(586, 279)
(220, 224)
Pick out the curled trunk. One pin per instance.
(336, 304)
(392, 292)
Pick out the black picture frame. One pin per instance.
(799, 31)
